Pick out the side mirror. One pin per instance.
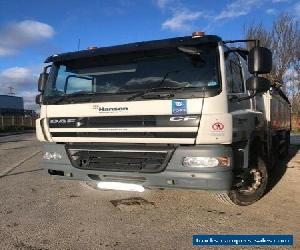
(39, 99)
(42, 81)
(260, 60)
(258, 84)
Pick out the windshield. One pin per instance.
(184, 71)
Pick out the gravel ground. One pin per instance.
(38, 212)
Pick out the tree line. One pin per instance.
(283, 39)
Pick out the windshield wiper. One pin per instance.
(79, 93)
(158, 87)
(142, 93)
(165, 77)
(68, 97)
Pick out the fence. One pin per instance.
(14, 122)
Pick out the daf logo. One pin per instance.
(182, 118)
(62, 121)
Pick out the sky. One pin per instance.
(32, 30)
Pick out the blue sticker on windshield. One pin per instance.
(212, 83)
(179, 107)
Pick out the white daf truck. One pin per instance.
(187, 113)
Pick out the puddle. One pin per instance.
(133, 203)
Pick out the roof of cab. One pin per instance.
(134, 47)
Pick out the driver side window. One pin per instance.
(234, 76)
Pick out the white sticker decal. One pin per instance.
(217, 129)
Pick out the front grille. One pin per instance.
(122, 159)
(121, 121)
(124, 121)
(127, 134)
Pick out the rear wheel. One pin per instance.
(249, 185)
(275, 155)
(287, 143)
(284, 146)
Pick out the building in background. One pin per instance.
(13, 116)
(11, 105)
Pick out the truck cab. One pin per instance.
(185, 113)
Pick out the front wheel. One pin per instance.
(249, 185)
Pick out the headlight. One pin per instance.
(206, 162)
(52, 156)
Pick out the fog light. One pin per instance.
(206, 162)
(52, 156)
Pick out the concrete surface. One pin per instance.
(15, 132)
(37, 212)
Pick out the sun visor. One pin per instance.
(148, 48)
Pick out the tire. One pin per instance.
(224, 198)
(275, 153)
(287, 144)
(283, 151)
(239, 197)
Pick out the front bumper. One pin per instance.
(174, 175)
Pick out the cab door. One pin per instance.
(236, 76)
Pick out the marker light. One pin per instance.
(52, 156)
(206, 162)
(198, 34)
(120, 186)
(92, 47)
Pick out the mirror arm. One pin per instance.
(239, 99)
(46, 68)
(242, 52)
(256, 41)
